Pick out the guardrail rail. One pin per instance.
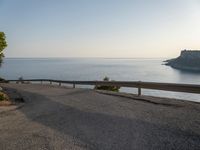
(173, 87)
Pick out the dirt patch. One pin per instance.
(5, 103)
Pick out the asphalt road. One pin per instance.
(63, 118)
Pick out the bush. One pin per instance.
(20, 80)
(2, 80)
(3, 97)
(108, 88)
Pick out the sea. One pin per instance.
(133, 69)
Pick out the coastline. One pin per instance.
(187, 61)
(183, 68)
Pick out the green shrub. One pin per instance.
(1, 97)
(20, 80)
(3, 45)
(2, 80)
(108, 88)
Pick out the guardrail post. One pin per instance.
(139, 89)
(74, 85)
(59, 83)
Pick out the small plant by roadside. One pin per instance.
(3, 97)
(2, 80)
(21, 80)
(4, 100)
(108, 88)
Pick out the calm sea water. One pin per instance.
(97, 68)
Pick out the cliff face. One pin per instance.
(188, 60)
(186, 54)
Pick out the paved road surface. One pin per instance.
(63, 118)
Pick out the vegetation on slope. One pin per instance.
(3, 45)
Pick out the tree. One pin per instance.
(3, 45)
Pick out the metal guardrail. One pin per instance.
(174, 87)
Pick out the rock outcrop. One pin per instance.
(189, 60)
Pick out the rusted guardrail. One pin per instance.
(174, 87)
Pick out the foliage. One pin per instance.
(108, 88)
(3, 97)
(106, 78)
(2, 79)
(20, 80)
(3, 45)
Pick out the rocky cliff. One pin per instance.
(189, 60)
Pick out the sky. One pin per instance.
(100, 28)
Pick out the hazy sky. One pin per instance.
(100, 28)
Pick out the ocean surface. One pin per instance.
(151, 70)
